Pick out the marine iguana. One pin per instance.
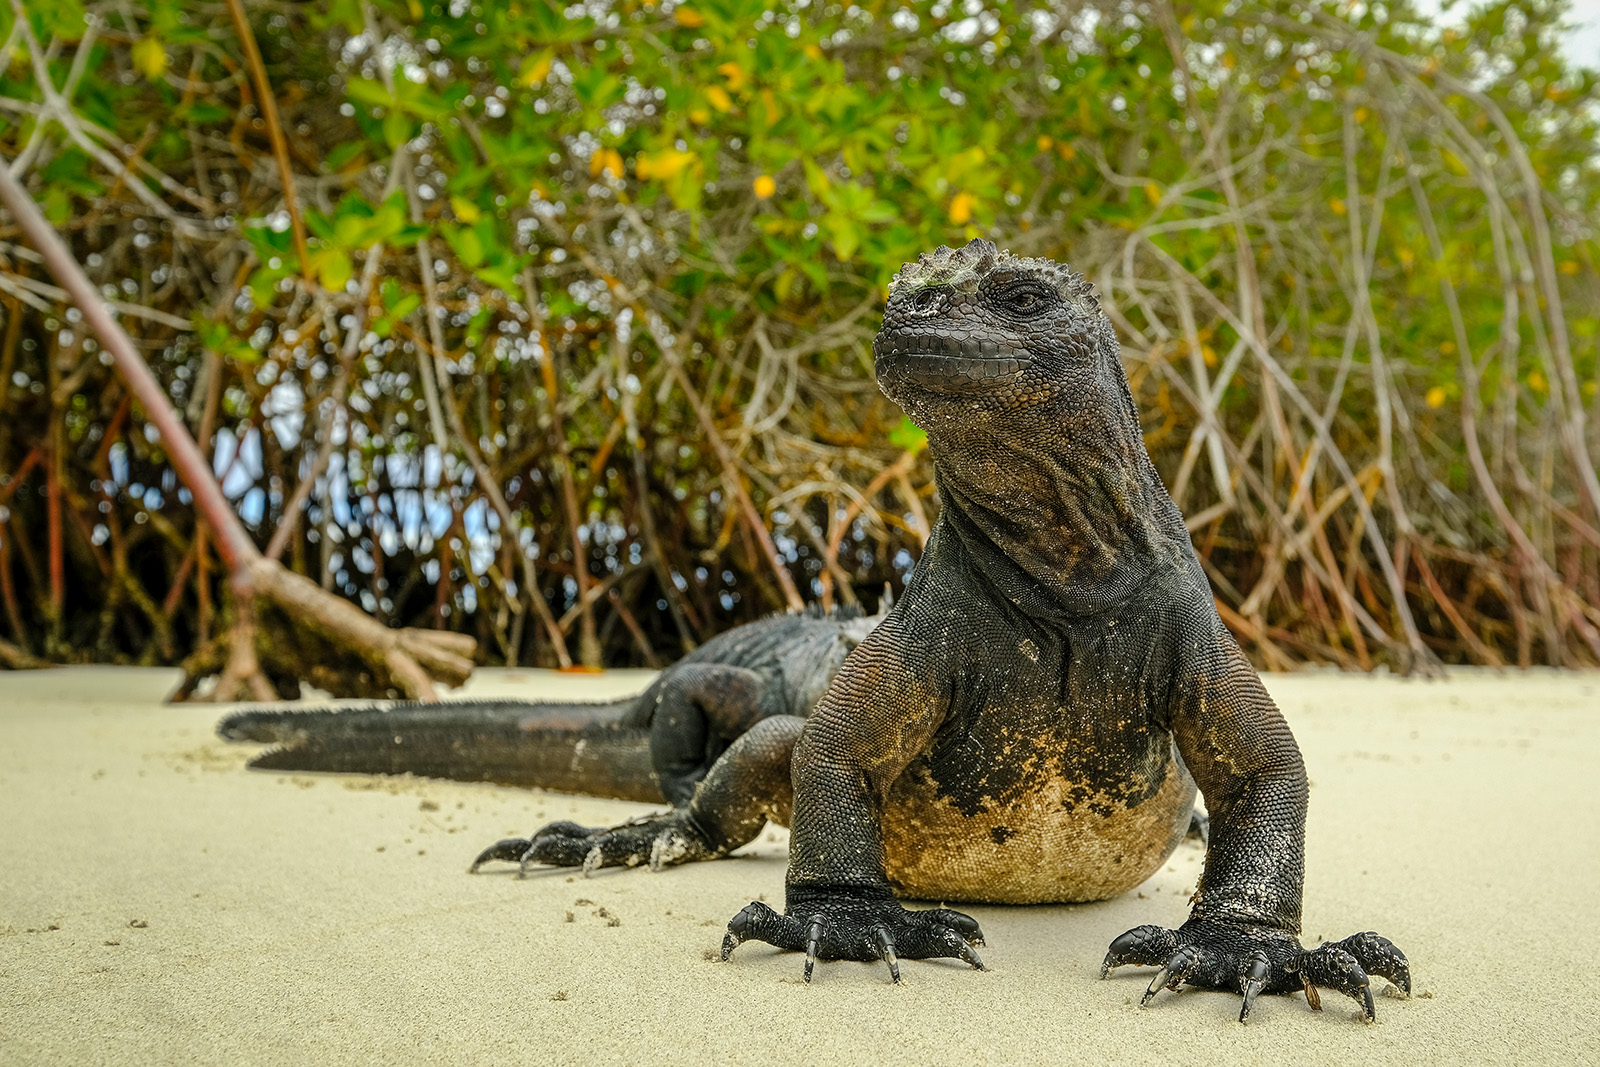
(650, 747)
(1029, 722)
(1031, 718)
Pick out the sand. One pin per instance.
(161, 904)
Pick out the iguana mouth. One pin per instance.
(947, 364)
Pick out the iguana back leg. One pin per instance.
(700, 710)
(748, 785)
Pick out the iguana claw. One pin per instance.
(1172, 974)
(1252, 981)
(510, 850)
(886, 948)
(813, 941)
(730, 941)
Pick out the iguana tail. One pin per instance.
(575, 748)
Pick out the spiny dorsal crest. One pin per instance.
(963, 269)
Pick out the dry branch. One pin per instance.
(409, 655)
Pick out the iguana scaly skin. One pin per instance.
(1031, 718)
(651, 747)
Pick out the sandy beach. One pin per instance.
(162, 904)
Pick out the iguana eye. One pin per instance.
(1026, 300)
(929, 301)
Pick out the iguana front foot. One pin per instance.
(664, 839)
(862, 930)
(1252, 960)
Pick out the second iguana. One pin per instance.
(650, 747)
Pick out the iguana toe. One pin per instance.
(662, 840)
(1253, 981)
(1173, 973)
(509, 850)
(1331, 966)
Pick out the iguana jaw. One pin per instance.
(943, 364)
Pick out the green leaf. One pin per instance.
(909, 436)
(467, 244)
(397, 129)
(846, 238)
(368, 91)
(342, 155)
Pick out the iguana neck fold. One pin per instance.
(1060, 529)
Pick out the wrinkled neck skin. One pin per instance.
(1058, 508)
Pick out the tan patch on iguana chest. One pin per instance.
(1050, 845)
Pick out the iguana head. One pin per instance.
(1016, 375)
(977, 335)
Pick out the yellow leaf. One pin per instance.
(332, 267)
(813, 51)
(1361, 114)
(688, 17)
(1043, 143)
(1407, 257)
(699, 116)
(719, 98)
(534, 70)
(1337, 206)
(1436, 397)
(1536, 382)
(1569, 266)
(771, 104)
(663, 164)
(150, 57)
(606, 160)
(764, 187)
(1447, 347)
(961, 208)
(1153, 192)
(465, 210)
(1066, 151)
(1209, 355)
(735, 75)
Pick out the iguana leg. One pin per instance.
(1241, 933)
(747, 786)
(700, 710)
(882, 709)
